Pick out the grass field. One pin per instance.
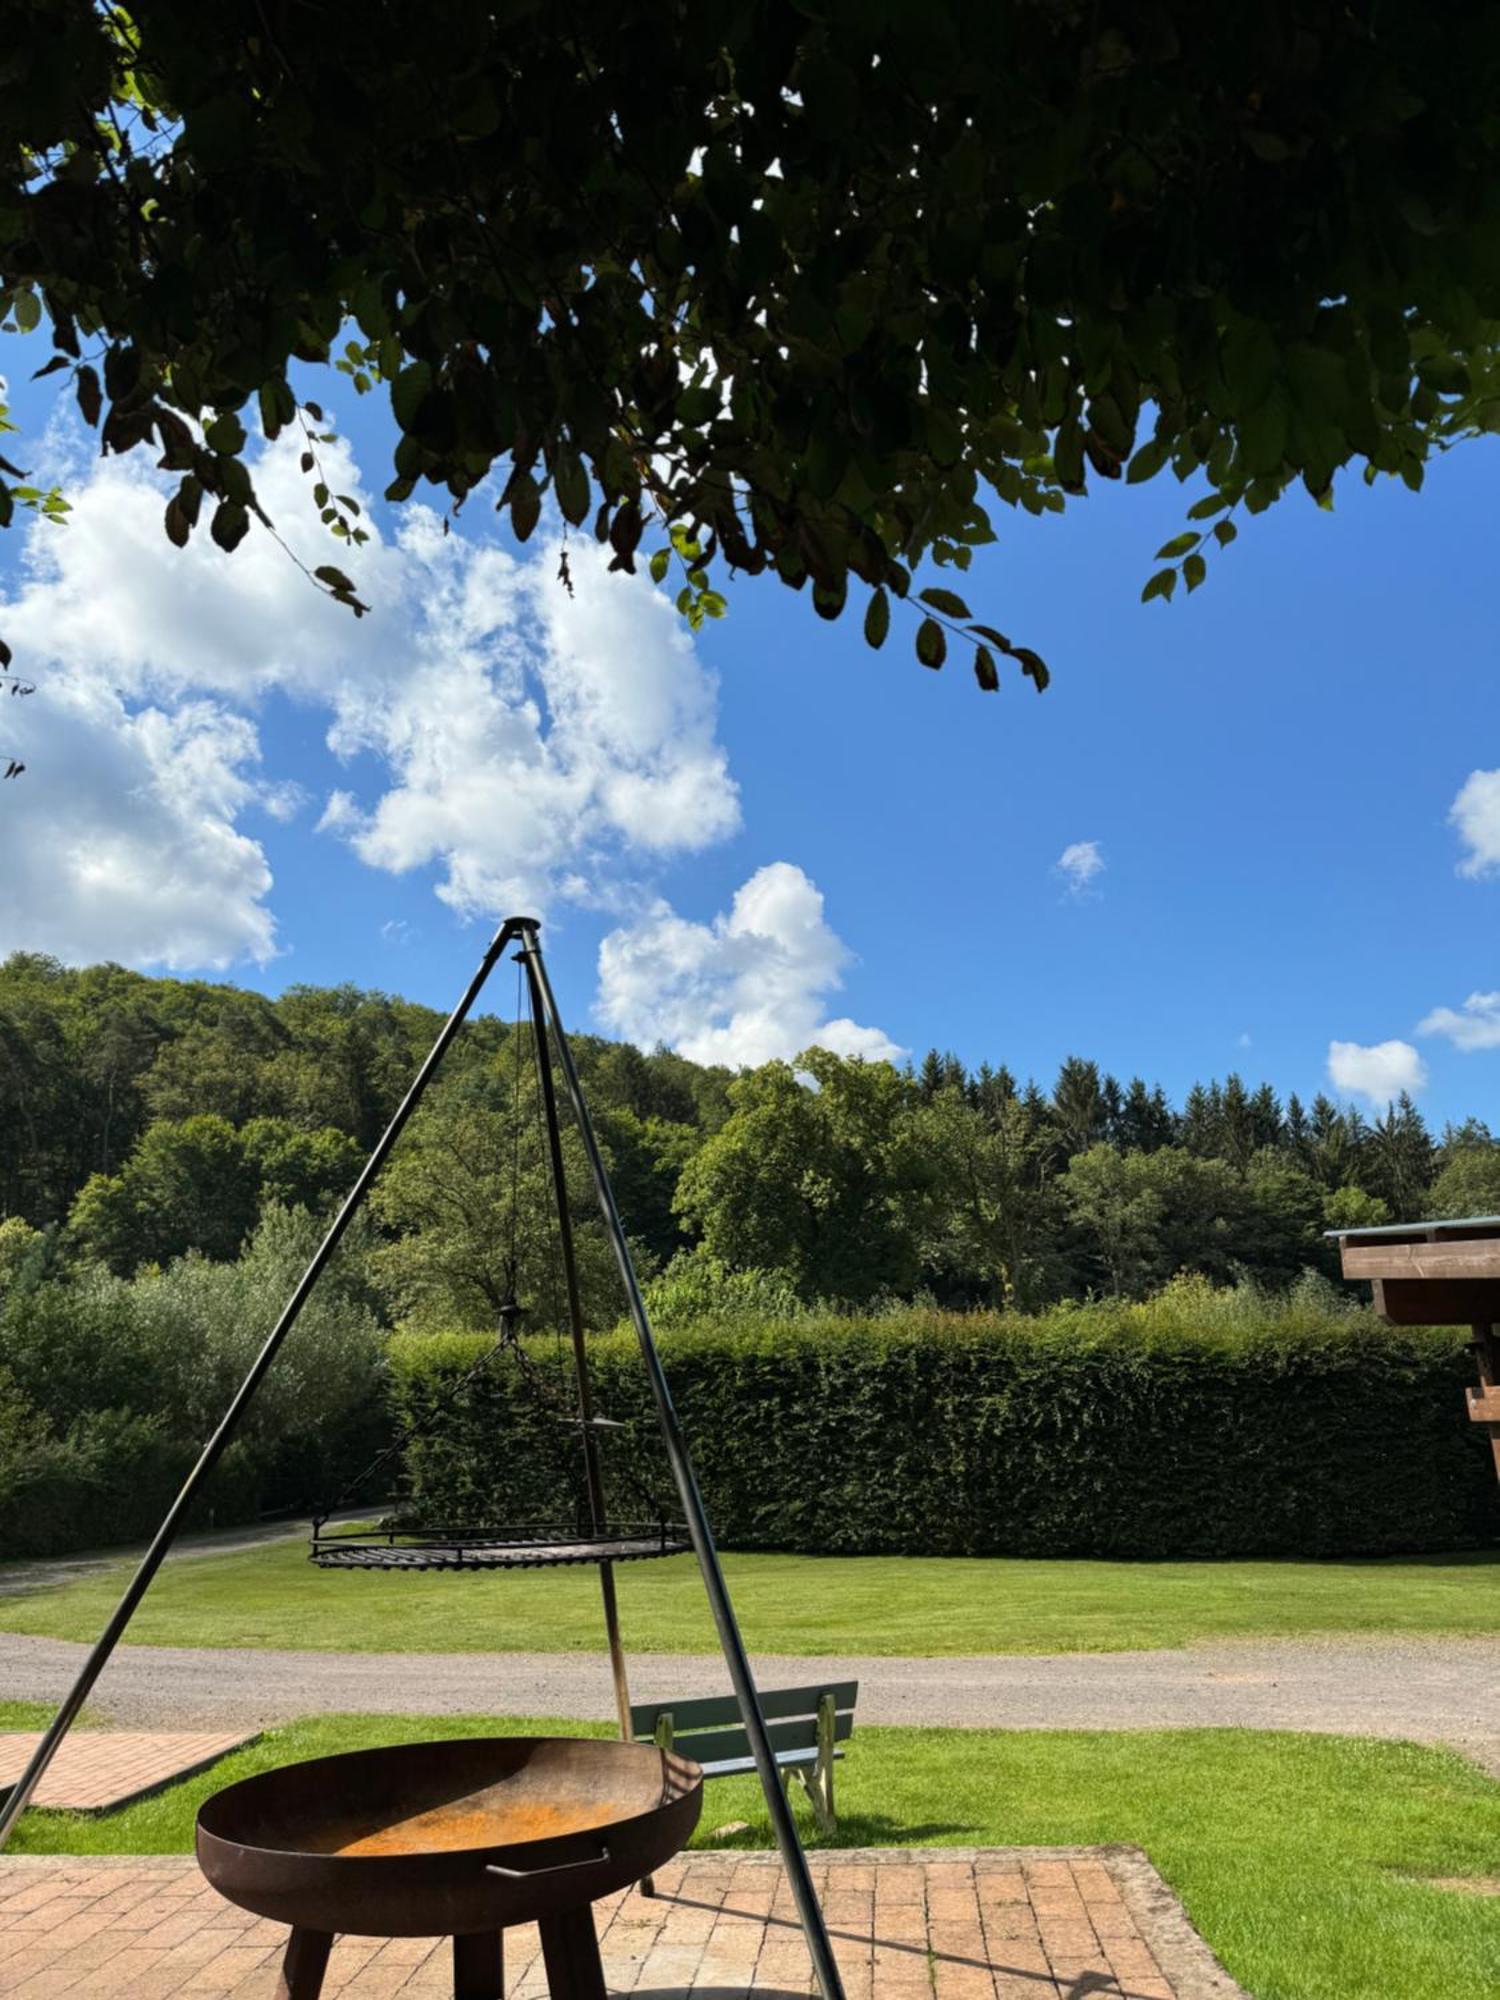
(273, 1596)
(25, 1714)
(1301, 1858)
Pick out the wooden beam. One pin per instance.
(1484, 1405)
(1455, 1257)
(1487, 1356)
(1437, 1301)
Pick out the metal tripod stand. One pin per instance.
(522, 931)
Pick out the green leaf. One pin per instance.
(278, 406)
(1193, 572)
(1178, 546)
(28, 311)
(229, 525)
(946, 601)
(1268, 146)
(995, 638)
(944, 438)
(1067, 457)
(90, 396)
(1035, 666)
(571, 484)
(409, 391)
(1161, 585)
(877, 618)
(1263, 435)
(696, 406)
(225, 435)
(660, 563)
(1213, 503)
(525, 504)
(985, 671)
(1445, 374)
(1224, 533)
(932, 646)
(1148, 461)
(334, 578)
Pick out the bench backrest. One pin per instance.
(709, 1729)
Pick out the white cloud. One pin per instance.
(1474, 1026)
(529, 747)
(122, 836)
(542, 746)
(1476, 814)
(1078, 864)
(1379, 1071)
(745, 989)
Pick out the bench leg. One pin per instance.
(818, 1786)
(821, 1788)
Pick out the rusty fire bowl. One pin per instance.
(400, 1842)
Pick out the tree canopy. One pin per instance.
(799, 288)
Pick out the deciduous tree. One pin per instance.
(800, 289)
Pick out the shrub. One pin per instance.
(1200, 1423)
(109, 1387)
(695, 1286)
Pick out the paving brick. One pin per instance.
(95, 1769)
(905, 1925)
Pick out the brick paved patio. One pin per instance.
(96, 1769)
(933, 1924)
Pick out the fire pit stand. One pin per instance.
(465, 1839)
(521, 932)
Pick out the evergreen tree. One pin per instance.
(1079, 1109)
(1397, 1162)
(1146, 1121)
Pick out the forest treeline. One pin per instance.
(169, 1150)
(145, 1118)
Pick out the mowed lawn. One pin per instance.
(1310, 1863)
(272, 1596)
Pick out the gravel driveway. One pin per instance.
(1432, 1689)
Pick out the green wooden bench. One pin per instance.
(806, 1725)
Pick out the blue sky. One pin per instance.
(1266, 772)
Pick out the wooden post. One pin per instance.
(1439, 1274)
(1484, 1402)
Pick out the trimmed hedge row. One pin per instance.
(1188, 1426)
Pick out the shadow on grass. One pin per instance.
(854, 1830)
(1479, 1558)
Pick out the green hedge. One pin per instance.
(1198, 1424)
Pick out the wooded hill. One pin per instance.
(142, 1118)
